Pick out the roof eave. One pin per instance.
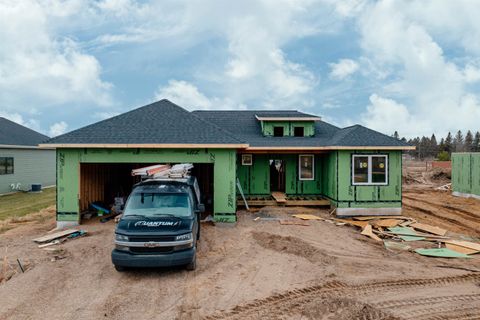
(332, 148)
(288, 118)
(15, 146)
(143, 145)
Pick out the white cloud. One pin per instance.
(434, 88)
(188, 96)
(36, 65)
(387, 116)
(57, 129)
(343, 68)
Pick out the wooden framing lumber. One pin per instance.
(55, 235)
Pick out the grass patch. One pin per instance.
(20, 204)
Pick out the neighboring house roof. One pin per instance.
(162, 123)
(13, 134)
(165, 124)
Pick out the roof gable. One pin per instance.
(162, 122)
(13, 134)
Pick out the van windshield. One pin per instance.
(156, 204)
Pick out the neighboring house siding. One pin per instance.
(30, 166)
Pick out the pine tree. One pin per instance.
(441, 146)
(449, 143)
(395, 135)
(476, 142)
(433, 146)
(468, 142)
(458, 142)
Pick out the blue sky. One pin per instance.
(410, 66)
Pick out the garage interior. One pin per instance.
(101, 183)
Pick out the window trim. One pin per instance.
(300, 167)
(369, 173)
(245, 162)
(299, 127)
(283, 131)
(5, 159)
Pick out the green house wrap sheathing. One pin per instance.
(333, 174)
(68, 170)
(288, 127)
(255, 179)
(466, 174)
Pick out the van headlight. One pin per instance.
(120, 237)
(183, 237)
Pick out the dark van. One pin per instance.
(160, 225)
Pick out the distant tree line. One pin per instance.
(430, 148)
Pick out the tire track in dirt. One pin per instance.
(467, 215)
(296, 298)
(444, 313)
(440, 216)
(425, 301)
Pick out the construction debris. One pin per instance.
(55, 235)
(406, 229)
(428, 228)
(367, 231)
(307, 217)
(441, 253)
(394, 245)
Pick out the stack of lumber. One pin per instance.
(59, 237)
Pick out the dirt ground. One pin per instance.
(250, 270)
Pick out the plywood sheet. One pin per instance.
(307, 217)
(466, 244)
(55, 235)
(361, 224)
(367, 231)
(429, 228)
(441, 253)
(460, 249)
(388, 223)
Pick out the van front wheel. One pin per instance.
(192, 265)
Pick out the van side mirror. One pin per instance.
(201, 207)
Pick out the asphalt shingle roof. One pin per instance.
(163, 122)
(245, 126)
(13, 134)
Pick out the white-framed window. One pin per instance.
(306, 167)
(247, 160)
(369, 170)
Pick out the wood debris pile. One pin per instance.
(407, 234)
(59, 237)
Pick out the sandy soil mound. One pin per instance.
(292, 245)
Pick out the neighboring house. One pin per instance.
(298, 155)
(22, 162)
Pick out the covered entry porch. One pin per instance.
(282, 178)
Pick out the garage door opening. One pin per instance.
(101, 183)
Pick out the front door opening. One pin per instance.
(277, 175)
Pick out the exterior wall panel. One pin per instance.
(68, 170)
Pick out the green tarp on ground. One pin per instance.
(441, 253)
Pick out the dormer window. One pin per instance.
(298, 131)
(278, 131)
